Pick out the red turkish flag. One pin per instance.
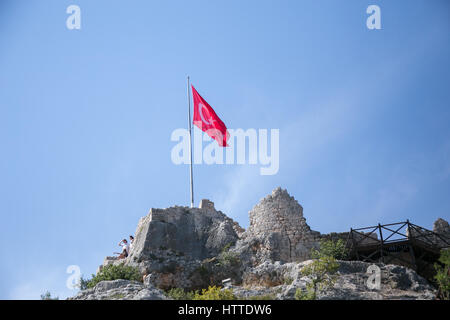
(207, 120)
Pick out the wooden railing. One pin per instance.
(385, 243)
(396, 233)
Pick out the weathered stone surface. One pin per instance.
(192, 248)
(206, 204)
(280, 281)
(440, 236)
(171, 245)
(283, 280)
(441, 226)
(194, 232)
(278, 231)
(120, 290)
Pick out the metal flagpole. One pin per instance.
(190, 143)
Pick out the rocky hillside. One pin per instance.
(192, 248)
(281, 281)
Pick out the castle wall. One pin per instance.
(279, 218)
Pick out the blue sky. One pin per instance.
(86, 117)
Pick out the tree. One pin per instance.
(330, 248)
(321, 272)
(48, 296)
(442, 276)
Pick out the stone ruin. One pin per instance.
(441, 226)
(172, 244)
(206, 204)
(280, 230)
(192, 248)
(199, 233)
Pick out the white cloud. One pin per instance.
(239, 187)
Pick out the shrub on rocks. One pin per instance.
(215, 293)
(322, 276)
(330, 248)
(112, 272)
(442, 276)
(180, 294)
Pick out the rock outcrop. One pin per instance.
(171, 245)
(199, 233)
(275, 280)
(120, 290)
(281, 281)
(192, 248)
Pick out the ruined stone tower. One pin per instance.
(279, 219)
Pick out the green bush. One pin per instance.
(442, 276)
(48, 296)
(111, 272)
(228, 258)
(330, 248)
(227, 247)
(288, 280)
(215, 293)
(180, 294)
(305, 295)
(322, 274)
